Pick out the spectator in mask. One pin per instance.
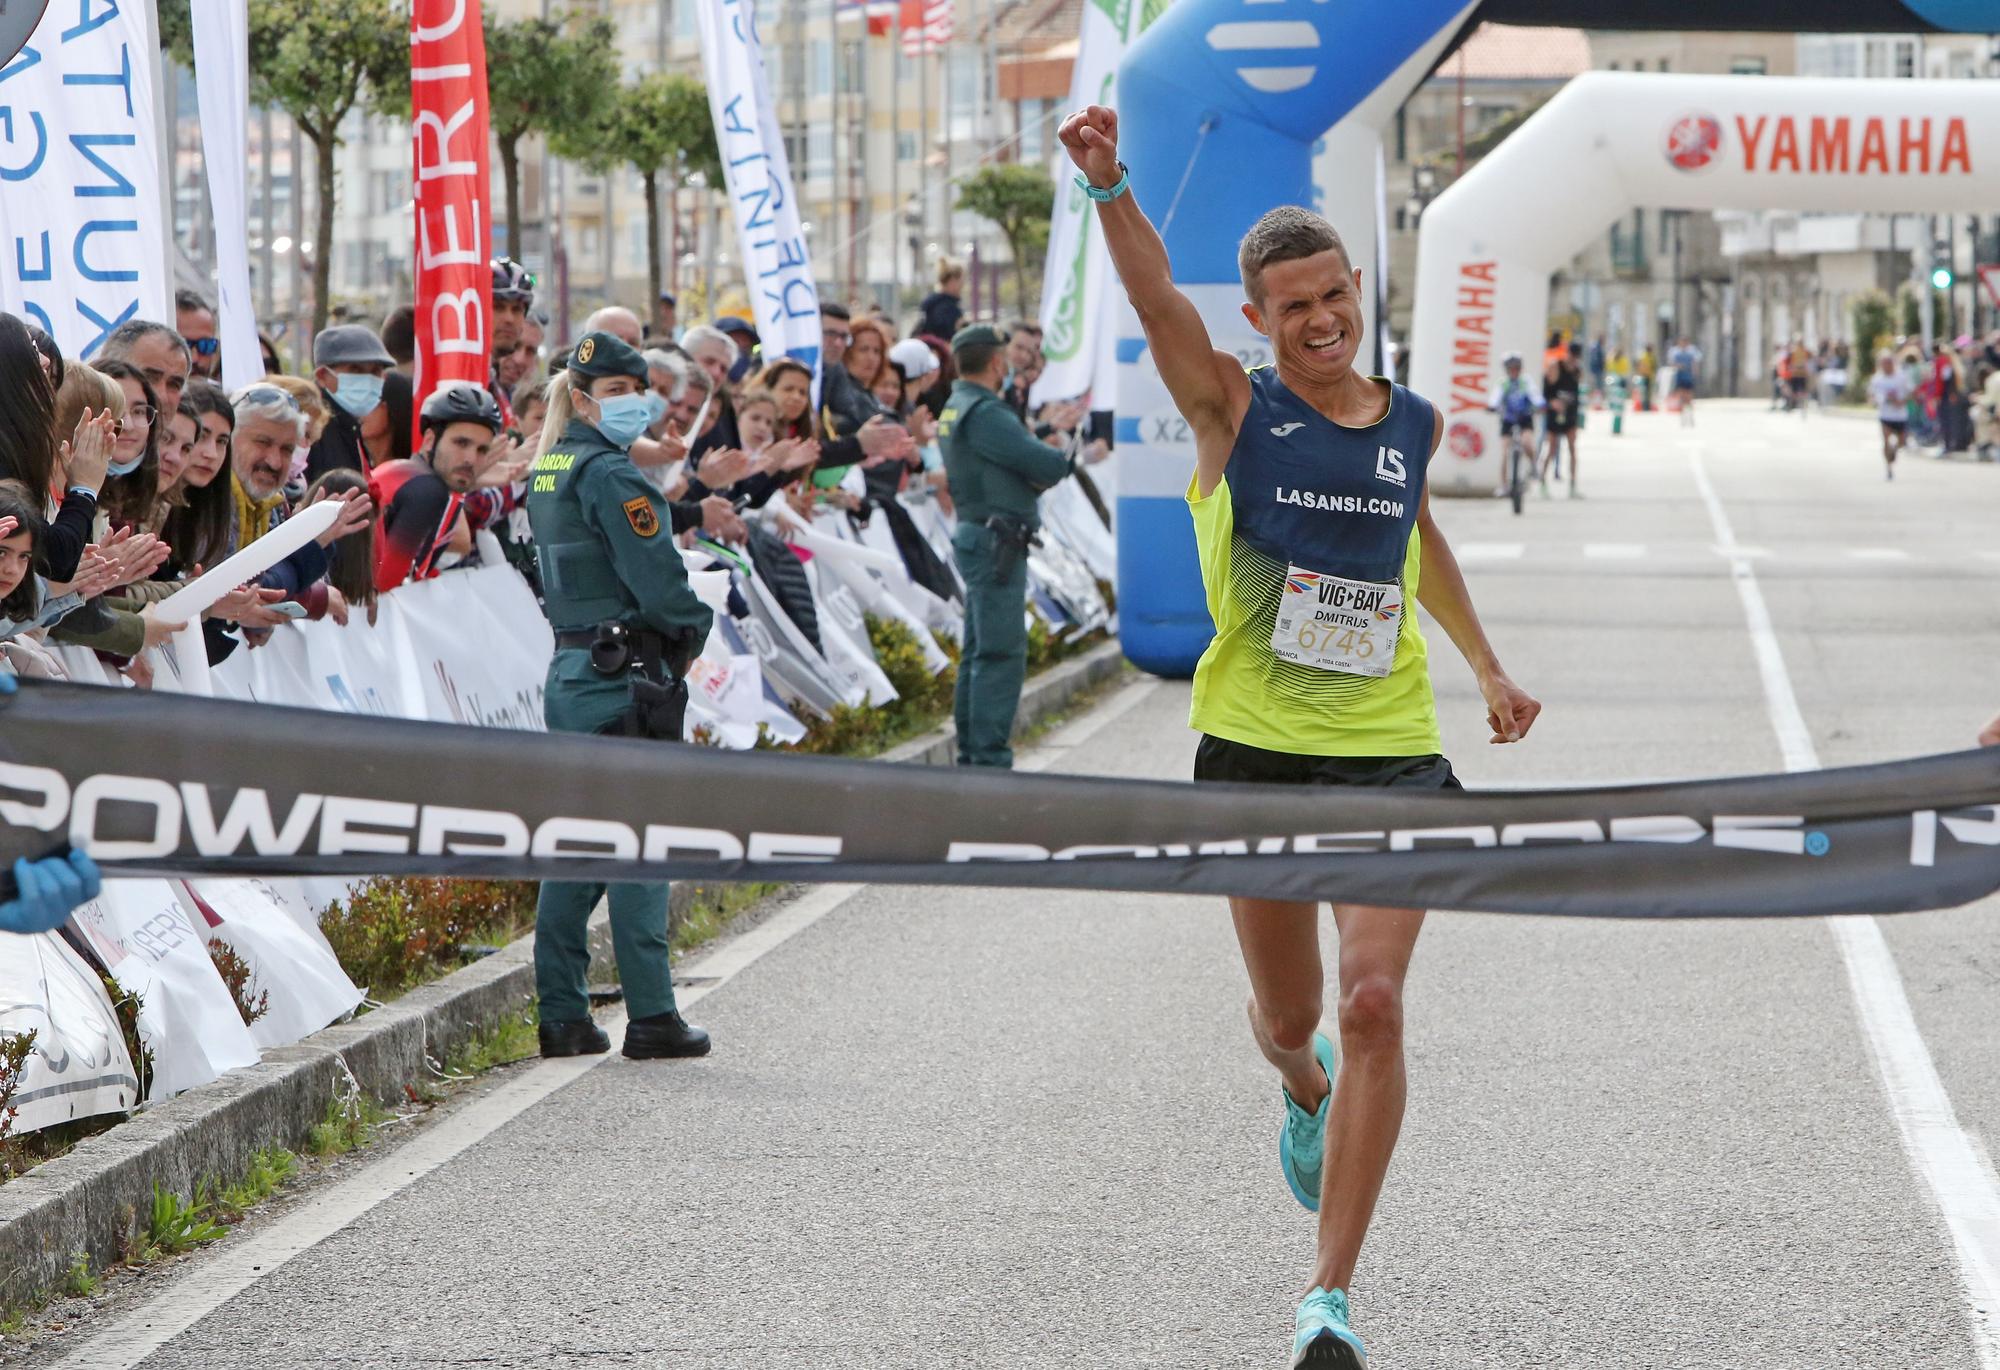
(348, 363)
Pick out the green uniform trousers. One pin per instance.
(994, 661)
(579, 700)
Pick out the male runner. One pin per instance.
(1307, 474)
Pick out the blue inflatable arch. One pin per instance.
(1221, 106)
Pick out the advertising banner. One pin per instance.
(454, 207)
(776, 266)
(138, 782)
(222, 89)
(79, 1067)
(82, 245)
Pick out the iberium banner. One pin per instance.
(453, 208)
(139, 781)
(776, 266)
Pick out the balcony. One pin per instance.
(1628, 256)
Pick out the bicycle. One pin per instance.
(1520, 466)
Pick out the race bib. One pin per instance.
(1331, 624)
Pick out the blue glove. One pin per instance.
(49, 889)
(6, 682)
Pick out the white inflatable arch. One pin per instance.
(1610, 142)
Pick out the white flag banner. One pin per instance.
(142, 933)
(292, 970)
(79, 1067)
(222, 88)
(1078, 264)
(776, 266)
(82, 245)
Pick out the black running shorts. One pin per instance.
(1220, 759)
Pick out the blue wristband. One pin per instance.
(85, 491)
(1105, 196)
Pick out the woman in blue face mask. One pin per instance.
(131, 480)
(627, 627)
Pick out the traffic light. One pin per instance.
(1941, 264)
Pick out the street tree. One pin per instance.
(317, 62)
(544, 76)
(657, 124)
(1017, 199)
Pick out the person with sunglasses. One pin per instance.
(194, 320)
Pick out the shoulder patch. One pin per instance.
(640, 514)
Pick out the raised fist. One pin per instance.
(1091, 135)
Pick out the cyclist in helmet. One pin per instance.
(458, 482)
(1516, 399)
(513, 293)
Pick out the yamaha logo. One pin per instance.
(1465, 442)
(1694, 141)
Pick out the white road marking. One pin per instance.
(1490, 551)
(1614, 551)
(234, 1266)
(1950, 1163)
(1878, 554)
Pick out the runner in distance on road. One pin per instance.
(1314, 528)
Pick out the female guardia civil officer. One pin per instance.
(627, 626)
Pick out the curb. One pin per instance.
(86, 1201)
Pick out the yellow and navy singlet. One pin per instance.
(1301, 490)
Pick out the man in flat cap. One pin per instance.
(348, 363)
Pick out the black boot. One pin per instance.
(664, 1034)
(579, 1037)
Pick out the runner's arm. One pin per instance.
(1208, 386)
(1510, 710)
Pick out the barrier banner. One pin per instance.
(79, 1067)
(776, 266)
(82, 245)
(454, 212)
(140, 784)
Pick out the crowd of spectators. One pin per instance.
(123, 476)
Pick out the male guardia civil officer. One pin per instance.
(627, 626)
(997, 470)
(1315, 534)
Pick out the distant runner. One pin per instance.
(1890, 390)
(1315, 533)
(1685, 359)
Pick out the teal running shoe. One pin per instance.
(1302, 1140)
(1324, 1340)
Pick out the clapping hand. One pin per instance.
(87, 455)
(357, 509)
(723, 467)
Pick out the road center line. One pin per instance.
(1952, 1166)
(235, 1265)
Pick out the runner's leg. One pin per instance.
(1367, 1113)
(1280, 942)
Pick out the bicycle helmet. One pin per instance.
(511, 280)
(460, 402)
(1511, 359)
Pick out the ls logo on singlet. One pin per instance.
(1389, 466)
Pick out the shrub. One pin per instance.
(1870, 315)
(236, 974)
(393, 933)
(15, 1048)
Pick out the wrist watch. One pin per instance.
(1102, 195)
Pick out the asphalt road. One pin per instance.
(986, 1129)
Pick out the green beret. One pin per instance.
(977, 335)
(601, 354)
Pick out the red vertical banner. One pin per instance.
(453, 201)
